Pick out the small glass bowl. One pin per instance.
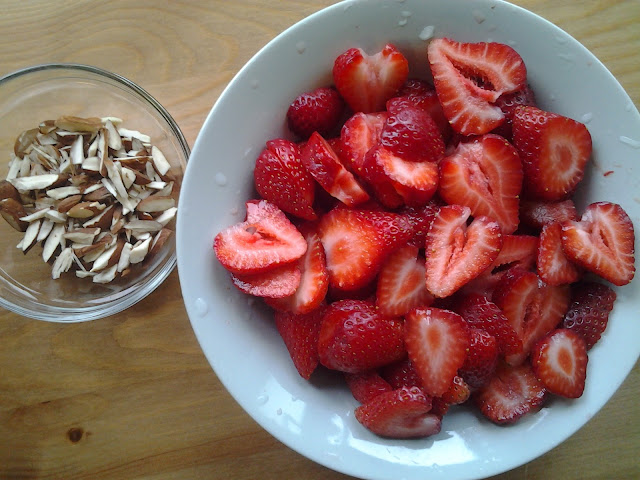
(27, 98)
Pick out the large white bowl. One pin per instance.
(237, 335)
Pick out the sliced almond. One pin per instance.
(66, 204)
(156, 204)
(7, 190)
(99, 194)
(165, 217)
(78, 124)
(45, 229)
(38, 214)
(56, 216)
(62, 263)
(128, 176)
(134, 134)
(160, 162)
(62, 192)
(141, 226)
(82, 235)
(77, 151)
(82, 210)
(158, 241)
(14, 167)
(37, 182)
(25, 140)
(91, 164)
(12, 210)
(115, 141)
(30, 235)
(123, 261)
(53, 241)
(139, 251)
(102, 220)
(106, 276)
(109, 257)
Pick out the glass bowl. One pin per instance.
(47, 92)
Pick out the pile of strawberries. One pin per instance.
(422, 239)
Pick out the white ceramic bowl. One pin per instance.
(238, 336)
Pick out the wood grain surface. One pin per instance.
(132, 396)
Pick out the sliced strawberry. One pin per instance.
(314, 281)
(373, 173)
(401, 285)
(402, 413)
(559, 361)
(359, 134)
(420, 219)
(602, 242)
(469, 78)
(554, 151)
(511, 393)
(457, 253)
(554, 268)
(366, 385)
(508, 103)
(324, 165)
(275, 283)
(486, 176)
(280, 178)
(457, 393)
(300, 335)
(263, 241)
(427, 101)
(481, 360)
(436, 342)
(355, 337)
(532, 307)
(316, 111)
(536, 214)
(412, 135)
(356, 243)
(365, 81)
(588, 314)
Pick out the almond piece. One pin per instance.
(115, 141)
(53, 241)
(156, 204)
(106, 276)
(165, 217)
(160, 162)
(141, 226)
(102, 220)
(82, 235)
(37, 182)
(45, 229)
(158, 241)
(66, 204)
(82, 210)
(77, 151)
(100, 194)
(123, 261)
(62, 263)
(78, 124)
(62, 192)
(12, 210)
(30, 235)
(56, 216)
(24, 141)
(139, 251)
(7, 190)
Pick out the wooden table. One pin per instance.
(132, 396)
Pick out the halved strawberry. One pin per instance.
(356, 243)
(602, 241)
(300, 335)
(355, 337)
(559, 361)
(532, 307)
(275, 283)
(469, 78)
(365, 81)
(314, 281)
(457, 253)
(486, 176)
(316, 111)
(588, 314)
(511, 393)
(436, 341)
(481, 360)
(412, 135)
(359, 134)
(554, 151)
(266, 239)
(457, 393)
(508, 103)
(324, 165)
(420, 219)
(401, 286)
(536, 214)
(379, 182)
(280, 178)
(402, 413)
(366, 385)
(554, 268)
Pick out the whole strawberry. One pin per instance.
(588, 313)
(316, 111)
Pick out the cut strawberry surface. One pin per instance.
(469, 78)
(366, 385)
(401, 286)
(300, 335)
(402, 413)
(412, 135)
(457, 253)
(481, 360)
(536, 214)
(266, 239)
(554, 268)
(275, 283)
(324, 165)
(374, 174)
(436, 342)
(588, 314)
(359, 134)
(602, 242)
(316, 111)
(356, 243)
(355, 337)
(280, 178)
(554, 151)
(486, 176)
(511, 393)
(365, 81)
(559, 360)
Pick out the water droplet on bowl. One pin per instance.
(201, 307)
(262, 399)
(221, 179)
(478, 16)
(279, 411)
(254, 84)
(587, 117)
(426, 33)
(301, 47)
(629, 141)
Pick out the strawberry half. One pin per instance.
(486, 176)
(266, 239)
(280, 178)
(421, 219)
(316, 111)
(366, 385)
(457, 253)
(359, 134)
(554, 268)
(536, 214)
(300, 335)
(481, 359)
(559, 361)
(275, 283)
(436, 342)
(602, 241)
(469, 78)
(412, 135)
(402, 413)
(554, 151)
(365, 81)
(588, 314)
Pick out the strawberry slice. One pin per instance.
(481, 360)
(366, 385)
(401, 286)
(537, 214)
(436, 342)
(511, 393)
(275, 283)
(554, 151)
(314, 282)
(508, 103)
(412, 135)
(316, 111)
(486, 176)
(402, 413)
(457, 253)
(365, 81)
(359, 134)
(554, 268)
(300, 335)
(355, 337)
(532, 307)
(356, 243)
(588, 314)
(324, 165)
(559, 361)
(379, 182)
(280, 178)
(602, 242)
(469, 78)
(266, 239)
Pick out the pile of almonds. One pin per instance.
(98, 197)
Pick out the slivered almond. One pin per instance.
(38, 214)
(106, 276)
(78, 124)
(158, 241)
(156, 204)
(160, 162)
(123, 261)
(82, 210)
(165, 217)
(37, 182)
(62, 263)
(53, 241)
(100, 194)
(114, 139)
(12, 210)
(56, 216)
(45, 229)
(91, 164)
(139, 251)
(62, 192)
(7, 190)
(82, 235)
(30, 235)
(67, 203)
(140, 226)
(25, 140)
(77, 151)
(102, 220)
